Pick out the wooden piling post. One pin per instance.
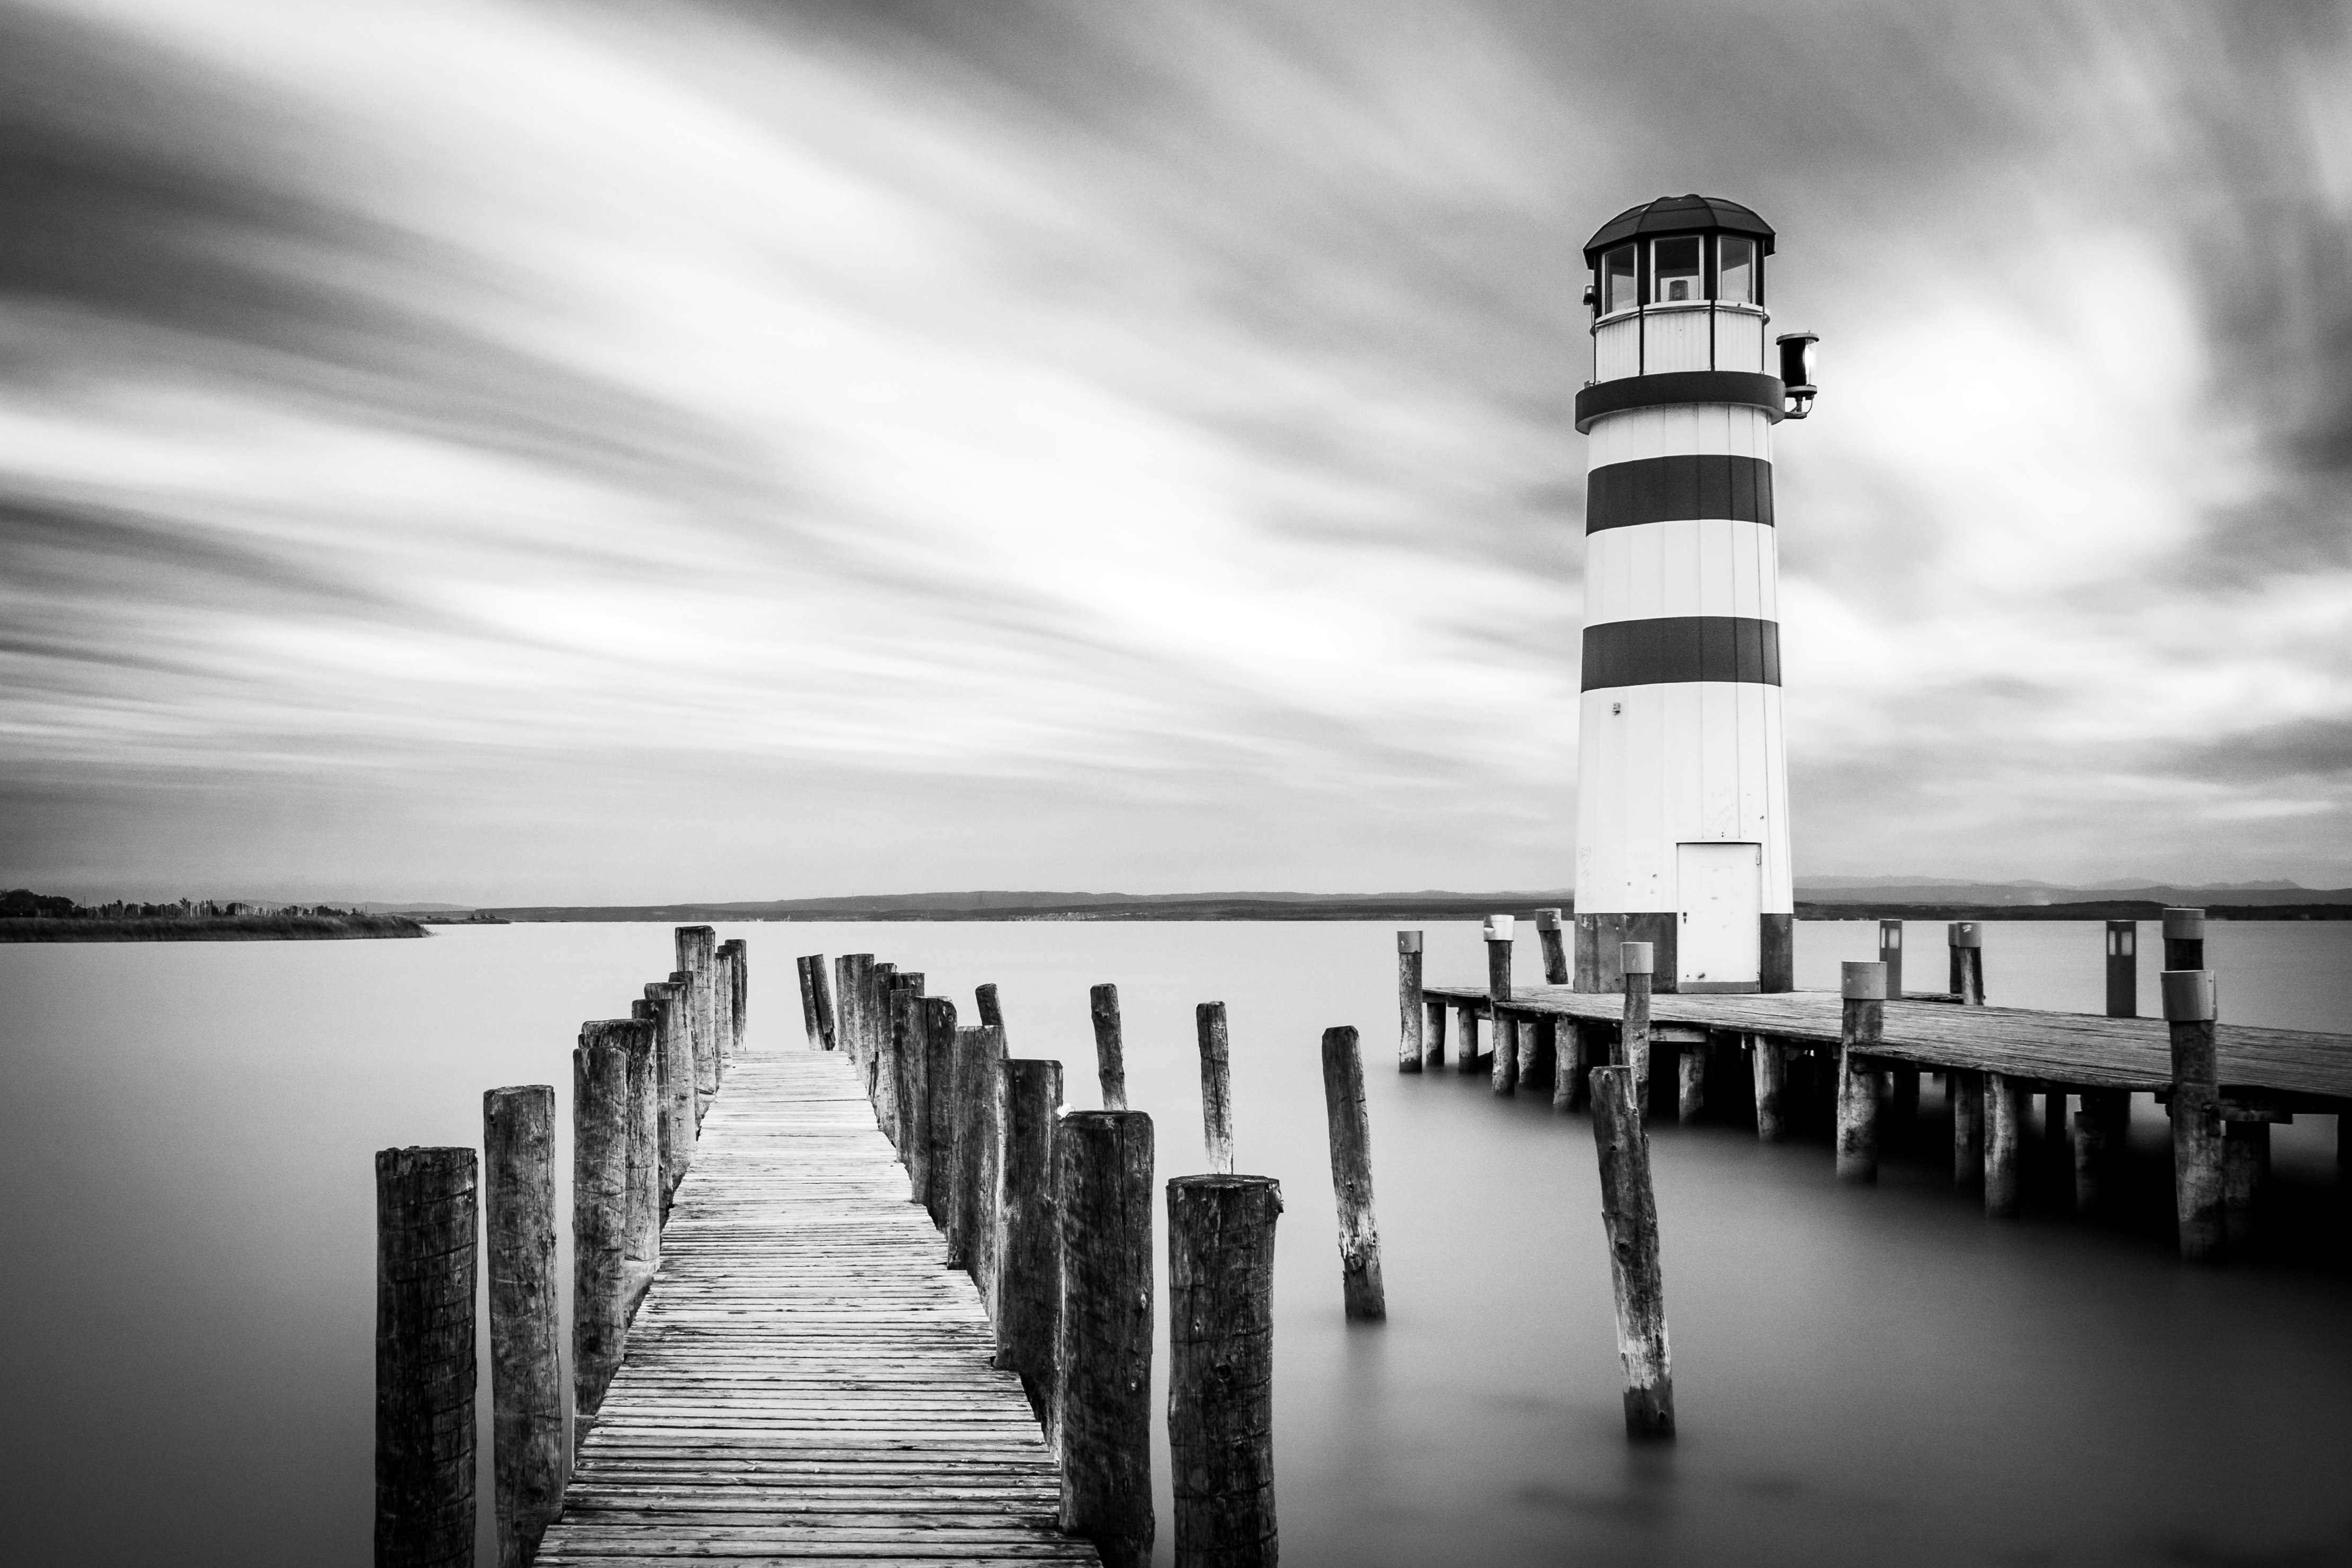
(1690, 1082)
(1966, 938)
(739, 1000)
(1110, 1050)
(526, 1316)
(1504, 1074)
(1216, 1087)
(1409, 1001)
(938, 1103)
(1555, 947)
(722, 1005)
(2184, 938)
(1633, 1049)
(909, 1072)
(1629, 1214)
(1967, 1096)
(1571, 1057)
(1103, 1186)
(2057, 1140)
(424, 1275)
(2245, 1170)
(992, 1011)
(1770, 1067)
(1465, 1041)
(1902, 1102)
(641, 1241)
(2005, 1100)
(1498, 957)
(2101, 1128)
(1028, 1304)
(1432, 1037)
(1364, 1297)
(697, 953)
(816, 1004)
(1539, 1050)
(599, 1208)
(674, 1046)
(1221, 1368)
(1890, 952)
(1862, 1023)
(2196, 1186)
(849, 982)
(2123, 969)
(977, 1121)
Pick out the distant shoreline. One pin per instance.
(212, 928)
(865, 910)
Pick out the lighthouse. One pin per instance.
(1682, 831)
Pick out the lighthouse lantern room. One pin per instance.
(1683, 794)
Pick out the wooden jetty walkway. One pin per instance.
(807, 1380)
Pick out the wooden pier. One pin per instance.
(807, 1380)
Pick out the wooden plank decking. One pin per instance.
(2080, 1050)
(807, 1381)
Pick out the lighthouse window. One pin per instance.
(1673, 271)
(1617, 280)
(1735, 272)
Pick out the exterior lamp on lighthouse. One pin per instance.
(1798, 353)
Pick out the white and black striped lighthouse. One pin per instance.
(1683, 783)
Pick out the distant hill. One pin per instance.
(1877, 890)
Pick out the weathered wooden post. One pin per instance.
(1539, 1050)
(681, 982)
(641, 1241)
(1028, 1304)
(816, 1004)
(1504, 1040)
(1862, 1021)
(850, 980)
(2101, 1129)
(1634, 1035)
(1629, 1214)
(526, 1316)
(1409, 1001)
(1966, 1090)
(673, 1044)
(992, 1011)
(1103, 1186)
(739, 1002)
(2005, 1100)
(1110, 1060)
(1216, 1087)
(722, 1005)
(976, 1120)
(1568, 1082)
(1363, 1295)
(1504, 1075)
(1432, 1038)
(1555, 947)
(2184, 939)
(2188, 1015)
(1465, 1030)
(1498, 957)
(1690, 1081)
(1890, 952)
(599, 1208)
(1966, 938)
(698, 952)
(938, 1106)
(2123, 969)
(425, 1263)
(2057, 1136)
(903, 1064)
(1770, 1067)
(1221, 1368)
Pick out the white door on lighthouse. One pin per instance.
(1719, 944)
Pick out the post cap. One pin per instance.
(2189, 996)
(2123, 924)
(1407, 941)
(1862, 982)
(2184, 926)
(1635, 957)
(1966, 934)
(1498, 928)
(1890, 934)
(1547, 919)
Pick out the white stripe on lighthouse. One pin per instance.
(1679, 430)
(1689, 567)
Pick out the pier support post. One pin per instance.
(992, 1009)
(1568, 1081)
(738, 954)
(1364, 1297)
(849, 1039)
(1503, 1073)
(1629, 1214)
(644, 1220)
(2184, 939)
(1498, 957)
(1555, 947)
(2188, 1014)
(698, 955)
(1967, 1088)
(674, 1046)
(1409, 1001)
(1221, 1367)
(1539, 1050)
(1028, 1304)
(1466, 1041)
(2245, 1169)
(2057, 1140)
(816, 1004)
(2005, 1098)
(978, 1121)
(1216, 1087)
(936, 1103)
(899, 1072)
(2101, 1127)
(1966, 940)
(1104, 1386)
(1111, 1047)
(2123, 969)
(1634, 1035)
(600, 1207)
(1862, 1023)
(1434, 1037)
(425, 1264)
(1771, 1069)
(1890, 952)
(526, 1316)
(1690, 1082)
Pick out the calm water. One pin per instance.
(1861, 1377)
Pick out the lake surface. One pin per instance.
(1863, 1377)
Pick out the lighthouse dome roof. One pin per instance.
(1679, 214)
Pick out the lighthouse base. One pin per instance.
(1600, 967)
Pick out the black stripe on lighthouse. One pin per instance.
(1668, 490)
(1672, 649)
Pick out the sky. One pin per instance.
(514, 452)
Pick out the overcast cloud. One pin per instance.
(507, 452)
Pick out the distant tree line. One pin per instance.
(23, 903)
